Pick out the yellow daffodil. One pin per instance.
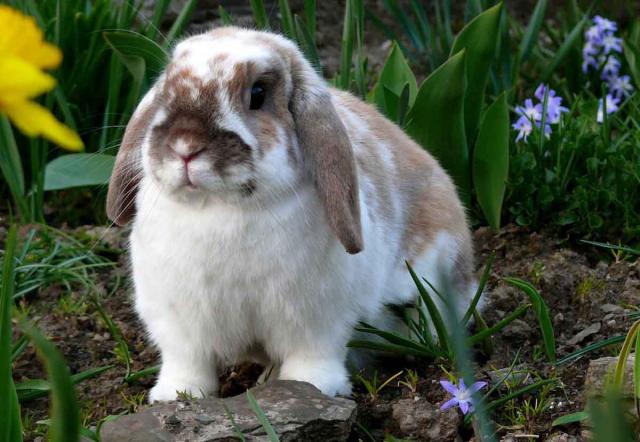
(23, 55)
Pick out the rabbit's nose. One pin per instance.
(186, 158)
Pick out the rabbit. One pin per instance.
(271, 213)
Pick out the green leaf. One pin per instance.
(35, 388)
(143, 57)
(571, 418)
(479, 39)
(65, 413)
(636, 366)
(308, 44)
(483, 334)
(180, 23)
(262, 418)
(569, 42)
(226, 18)
(395, 74)
(533, 28)
(590, 348)
(259, 14)
(519, 392)
(11, 165)
(287, 19)
(542, 312)
(79, 169)
(10, 423)
(436, 120)
(436, 318)
(621, 365)
(479, 291)
(632, 54)
(490, 163)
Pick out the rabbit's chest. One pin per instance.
(239, 273)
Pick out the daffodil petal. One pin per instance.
(22, 38)
(19, 79)
(33, 119)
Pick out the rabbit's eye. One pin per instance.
(258, 94)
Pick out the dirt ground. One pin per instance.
(580, 288)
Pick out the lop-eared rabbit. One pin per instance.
(271, 213)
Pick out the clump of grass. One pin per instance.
(49, 258)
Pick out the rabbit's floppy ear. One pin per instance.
(127, 172)
(327, 153)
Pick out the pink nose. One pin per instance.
(187, 158)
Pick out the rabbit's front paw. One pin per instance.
(170, 390)
(329, 376)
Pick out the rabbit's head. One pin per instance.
(239, 115)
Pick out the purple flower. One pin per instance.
(529, 110)
(524, 126)
(554, 104)
(611, 43)
(621, 86)
(594, 35)
(611, 67)
(605, 25)
(462, 396)
(612, 106)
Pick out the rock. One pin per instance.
(558, 318)
(518, 329)
(601, 370)
(561, 437)
(296, 410)
(584, 334)
(518, 377)
(425, 421)
(611, 308)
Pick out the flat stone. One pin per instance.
(518, 377)
(296, 411)
(425, 421)
(601, 370)
(584, 334)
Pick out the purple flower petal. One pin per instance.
(449, 404)
(477, 386)
(449, 387)
(461, 385)
(464, 407)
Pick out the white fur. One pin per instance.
(219, 281)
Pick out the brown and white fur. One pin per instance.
(268, 234)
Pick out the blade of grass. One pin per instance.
(481, 285)
(308, 44)
(36, 388)
(262, 418)
(519, 392)
(542, 312)
(65, 413)
(259, 14)
(621, 366)
(310, 18)
(181, 22)
(517, 313)
(533, 28)
(10, 422)
(142, 373)
(436, 318)
(287, 20)
(225, 16)
(569, 42)
(589, 348)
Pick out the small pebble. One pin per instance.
(172, 420)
